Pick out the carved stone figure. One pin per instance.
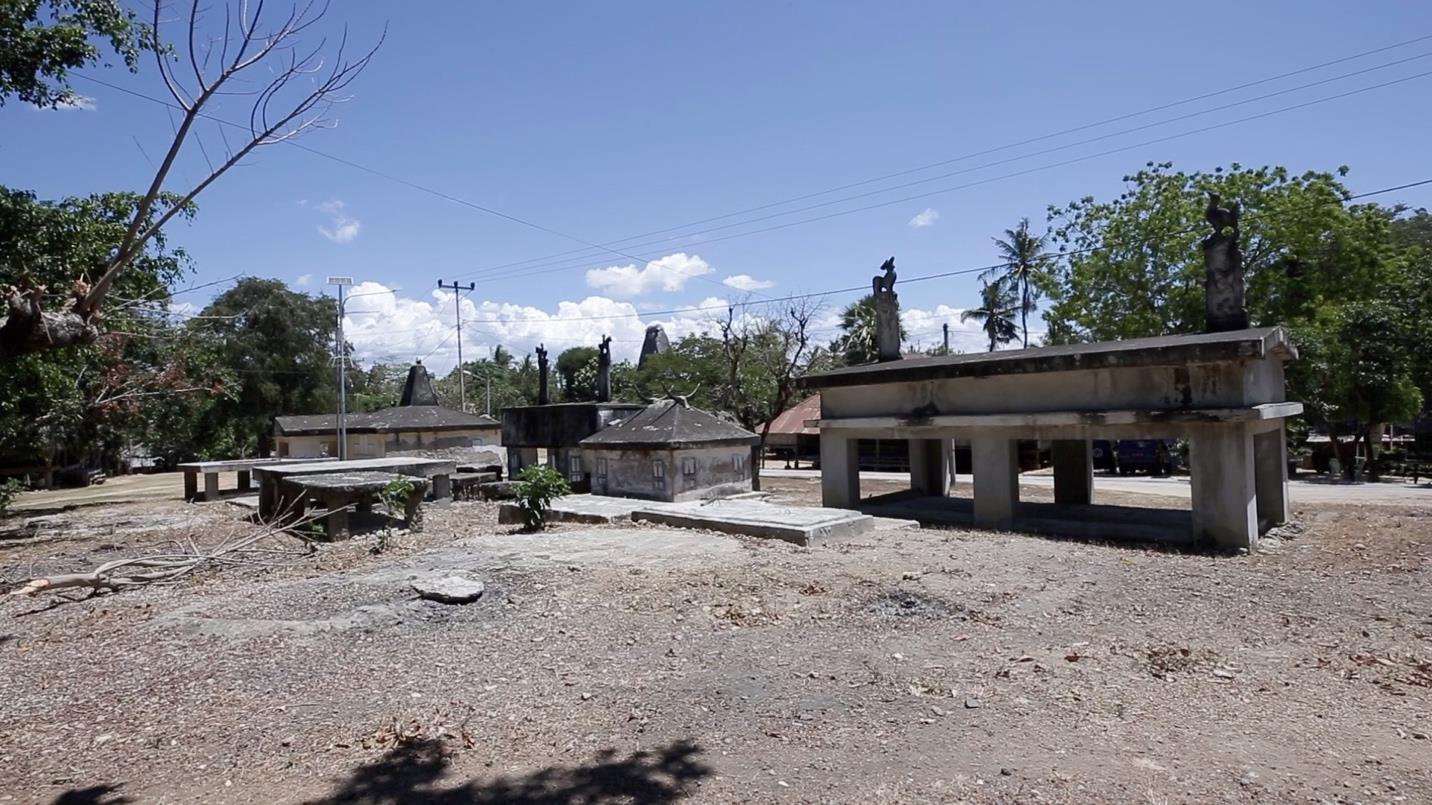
(1225, 305)
(543, 397)
(887, 313)
(884, 283)
(604, 370)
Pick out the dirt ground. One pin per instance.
(658, 665)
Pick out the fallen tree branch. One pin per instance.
(120, 574)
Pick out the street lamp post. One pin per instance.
(340, 357)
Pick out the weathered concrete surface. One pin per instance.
(1218, 390)
(1122, 523)
(798, 524)
(588, 509)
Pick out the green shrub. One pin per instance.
(9, 490)
(395, 496)
(536, 487)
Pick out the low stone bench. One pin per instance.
(243, 466)
(465, 484)
(336, 491)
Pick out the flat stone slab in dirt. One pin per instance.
(456, 589)
(798, 524)
(588, 509)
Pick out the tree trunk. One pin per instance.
(1350, 459)
(1024, 313)
(757, 451)
(1374, 443)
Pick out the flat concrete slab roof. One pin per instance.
(1173, 350)
(798, 524)
(801, 525)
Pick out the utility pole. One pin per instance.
(340, 357)
(457, 288)
(947, 338)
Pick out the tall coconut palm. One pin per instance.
(995, 313)
(1024, 262)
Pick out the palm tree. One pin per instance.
(860, 321)
(995, 313)
(1024, 262)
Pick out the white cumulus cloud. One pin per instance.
(303, 279)
(386, 327)
(924, 329)
(925, 218)
(82, 103)
(669, 273)
(746, 282)
(343, 228)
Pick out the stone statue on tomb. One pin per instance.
(884, 283)
(1225, 304)
(604, 370)
(887, 313)
(543, 397)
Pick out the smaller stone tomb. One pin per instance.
(337, 491)
(271, 501)
(669, 451)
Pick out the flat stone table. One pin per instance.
(438, 471)
(211, 469)
(336, 491)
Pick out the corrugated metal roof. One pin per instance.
(792, 421)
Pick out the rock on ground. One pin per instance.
(457, 589)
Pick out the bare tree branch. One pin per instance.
(250, 46)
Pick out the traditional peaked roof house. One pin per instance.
(668, 451)
(417, 422)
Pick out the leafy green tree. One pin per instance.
(1133, 266)
(1333, 272)
(88, 403)
(576, 370)
(42, 40)
(1025, 265)
(278, 342)
(1356, 364)
(995, 314)
(693, 367)
(510, 384)
(860, 324)
(379, 386)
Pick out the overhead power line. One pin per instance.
(391, 177)
(1024, 172)
(608, 246)
(1009, 146)
(863, 287)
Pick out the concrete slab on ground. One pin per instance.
(585, 509)
(798, 524)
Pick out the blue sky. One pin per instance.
(614, 119)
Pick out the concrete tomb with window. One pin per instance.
(417, 422)
(669, 451)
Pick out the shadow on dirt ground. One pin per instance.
(415, 774)
(93, 795)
